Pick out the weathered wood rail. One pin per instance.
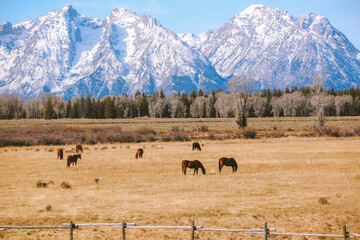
(265, 231)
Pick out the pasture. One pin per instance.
(295, 184)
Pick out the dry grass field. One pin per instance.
(295, 184)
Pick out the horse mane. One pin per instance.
(202, 168)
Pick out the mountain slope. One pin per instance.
(68, 54)
(279, 50)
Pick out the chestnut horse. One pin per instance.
(228, 162)
(72, 159)
(139, 153)
(60, 154)
(196, 164)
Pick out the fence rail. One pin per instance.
(265, 231)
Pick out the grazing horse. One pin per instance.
(139, 153)
(60, 154)
(196, 164)
(228, 162)
(196, 145)
(79, 148)
(72, 159)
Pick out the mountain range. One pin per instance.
(69, 54)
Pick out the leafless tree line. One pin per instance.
(221, 104)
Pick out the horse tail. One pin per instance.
(183, 167)
(220, 165)
(236, 166)
(202, 168)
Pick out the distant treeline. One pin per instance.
(294, 102)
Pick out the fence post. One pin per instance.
(123, 226)
(345, 233)
(265, 231)
(192, 229)
(71, 230)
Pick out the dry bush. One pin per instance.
(146, 131)
(65, 185)
(323, 201)
(274, 135)
(41, 184)
(357, 131)
(175, 129)
(328, 131)
(204, 128)
(249, 132)
(48, 207)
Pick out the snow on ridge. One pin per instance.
(127, 52)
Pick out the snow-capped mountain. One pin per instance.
(279, 50)
(69, 54)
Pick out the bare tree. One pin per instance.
(242, 87)
(318, 100)
(258, 104)
(276, 104)
(225, 105)
(291, 103)
(200, 107)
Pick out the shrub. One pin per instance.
(357, 131)
(323, 201)
(175, 129)
(65, 185)
(146, 131)
(204, 128)
(48, 207)
(328, 131)
(41, 184)
(249, 132)
(275, 135)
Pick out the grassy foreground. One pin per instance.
(295, 184)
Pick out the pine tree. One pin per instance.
(68, 109)
(162, 94)
(75, 109)
(110, 110)
(49, 112)
(200, 93)
(212, 104)
(144, 108)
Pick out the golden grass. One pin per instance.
(189, 124)
(279, 181)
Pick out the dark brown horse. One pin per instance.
(139, 153)
(196, 164)
(79, 148)
(196, 146)
(72, 159)
(60, 154)
(228, 162)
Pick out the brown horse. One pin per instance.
(196, 146)
(139, 153)
(79, 148)
(228, 162)
(72, 159)
(196, 164)
(60, 154)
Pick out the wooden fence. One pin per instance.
(265, 231)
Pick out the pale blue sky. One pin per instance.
(194, 16)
